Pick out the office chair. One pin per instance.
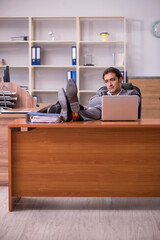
(130, 86)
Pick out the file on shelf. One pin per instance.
(36, 55)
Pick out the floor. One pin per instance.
(80, 218)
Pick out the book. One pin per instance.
(36, 117)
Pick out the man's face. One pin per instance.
(113, 83)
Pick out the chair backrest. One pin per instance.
(130, 86)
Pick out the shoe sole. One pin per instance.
(71, 92)
(66, 116)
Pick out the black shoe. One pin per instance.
(55, 108)
(66, 112)
(71, 92)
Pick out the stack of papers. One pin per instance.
(19, 38)
(7, 98)
(6, 103)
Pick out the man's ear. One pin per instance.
(121, 80)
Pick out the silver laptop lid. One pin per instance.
(119, 107)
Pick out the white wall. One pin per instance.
(143, 49)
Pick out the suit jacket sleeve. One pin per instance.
(97, 99)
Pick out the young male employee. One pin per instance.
(70, 104)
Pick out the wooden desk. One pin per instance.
(90, 158)
(5, 119)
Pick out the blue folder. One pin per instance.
(36, 55)
(74, 55)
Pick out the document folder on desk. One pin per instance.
(36, 117)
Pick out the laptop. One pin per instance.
(119, 108)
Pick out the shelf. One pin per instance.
(102, 18)
(54, 66)
(15, 66)
(63, 29)
(13, 27)
(100, 42)
(13, 42)
(90, 28)
(54, 42)
(56, 55)
(99, 67)
(14, 18)
(44, 18)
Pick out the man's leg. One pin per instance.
(87, 113)
(71, 92)
(90, 113)
(66, 112)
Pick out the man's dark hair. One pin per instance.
(113, 70)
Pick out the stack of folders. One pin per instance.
(36, 55)
(7, 99)
(36, 117)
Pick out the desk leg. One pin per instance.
(12, 200)
(9, 171)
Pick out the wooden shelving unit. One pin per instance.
(83, 32)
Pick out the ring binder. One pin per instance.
(36, 55)
(74, 55)
(71, 74)
(36, 117)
